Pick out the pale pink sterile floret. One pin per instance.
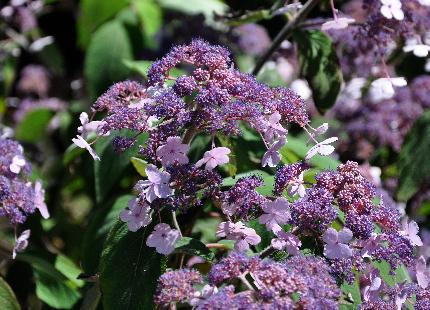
(287, 241)
(39, 200)
(173, 151)
(410, 231)
(80, 142)
(244, 236)
(163, 238)
(215, 157)
(337, 23)
(21, 243)
(276, 213)
(336, 243)
(323, 148)
(272, 157)
(273, 128)
(157, 184)
(422, 272)
(18, 162)
(137, 215)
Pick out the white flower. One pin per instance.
(272, 157)
(354, 87)
(301, 87)
(338, 23)
(424, 2)
(17, 163)
(87, 126)
(39, 200)
(21, 243)
(419, 50)
(80, 142)
(383, 88)
(392, 9)
(323, 148)
(297, 186)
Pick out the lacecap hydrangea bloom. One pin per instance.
(339, 210)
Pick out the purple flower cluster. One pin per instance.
(302, 282)
(177, 286)
(242, 199)
(18, 197)
(384, 123)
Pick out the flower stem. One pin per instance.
(284, 33)
(175, 222)
(266, 252)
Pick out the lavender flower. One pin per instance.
(21, 243)
(215, 157)
(277, 213)
(157, 184)
(137, 215)
(173, 151)
(337, 243)
(163, 239)
(286, 241)
(244, 236)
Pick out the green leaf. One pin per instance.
(52, 287)
(129, 270)
(93, 13)
(98, 228)
(413, 163)
(7, 297)
(104, 59)
(150, 15)
(69, 269)
(33, 126)
(320, 66)
(250, 17)
(207, 7)
(206, 228)
(230, 181)
(401, 273)
(110, 168)
(352, 291)
(195, 247)
(141, 67)
(139, 165)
